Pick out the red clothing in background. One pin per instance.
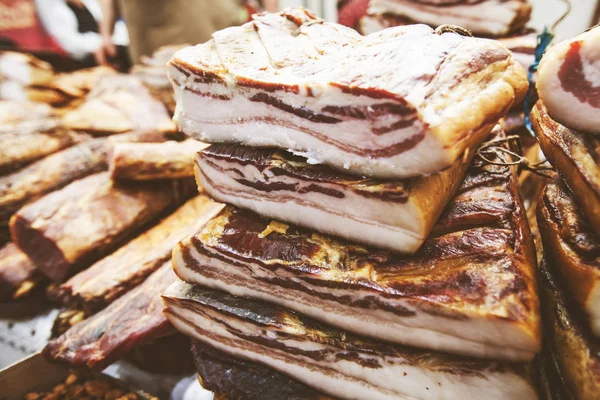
(351, 11)
(19, 24)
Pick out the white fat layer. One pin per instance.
(16, 70)
(395, 379)
(563, 106)
(242, 121)
(478, 337)
(395, 226)
(593, 309)
(493, 17)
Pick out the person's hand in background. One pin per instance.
(107, 50)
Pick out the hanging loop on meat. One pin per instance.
(459, 30)
(511, 155)
(306, 25)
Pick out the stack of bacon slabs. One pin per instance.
(365, 252)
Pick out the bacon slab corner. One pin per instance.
(495, 18)
(569, 82)
(398, 103)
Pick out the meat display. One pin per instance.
(17, 273)
(25, 117)
(24, 69)
(151, 161)
(575, 353)
(484, 17)
(569, 82)
(333, 361)
(19, 149)
(574, 249)
(79, 83)
(114, 275)
(296, 82)
(233, 378)
(575, 156)
(105, 337)
(470, 289)
(11, 90)
(397, 215)
(61, 235)
(119, 103)
(48, 174)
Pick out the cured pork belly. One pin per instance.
(117, 273)
(521, 44)
(574, 249)
(17, 273)
(397, 215)
(331, 360)
(24, 69)
(569, 82)
(119, 103)
(48, 174)
(486, 17)
(470, 289)
(19, 149)
(232, 378)
(151, 161)
(73, 227)
(576, 157)
(575, 352)
(322, 90)
(131, 320)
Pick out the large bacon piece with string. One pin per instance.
(292, 81)
(569, 82)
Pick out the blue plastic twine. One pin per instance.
(543, 41)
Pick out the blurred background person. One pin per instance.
(74, 26)
(155, 23)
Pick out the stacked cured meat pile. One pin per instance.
(567, 123)
(49, 164)
(365, 252)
